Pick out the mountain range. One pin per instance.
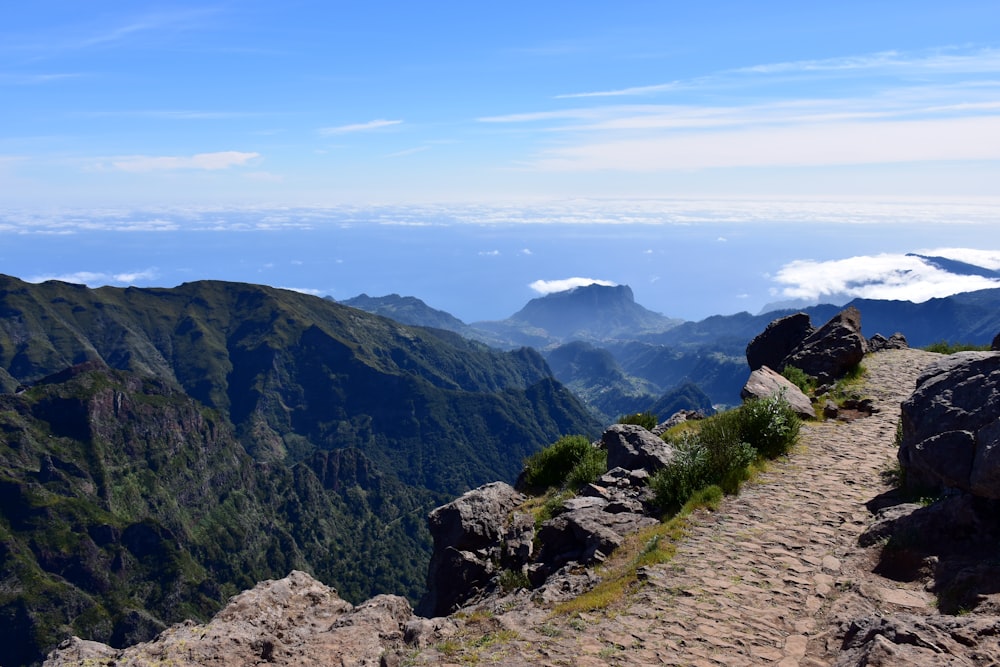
(620, 357)
(162, 449)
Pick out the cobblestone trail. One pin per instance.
(752, 583)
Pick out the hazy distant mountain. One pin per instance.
(221, 433)
(957, 267)
(407, 310)
(591, 313)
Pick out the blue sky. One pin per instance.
(146, 116)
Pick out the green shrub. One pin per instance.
(593, 464)
(713, 456)
(798, 377)
(945, 347)
(769, 425)
(722, 450)
(552, 466)
(647, 420)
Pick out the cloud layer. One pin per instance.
(205, 161)
(885, 276)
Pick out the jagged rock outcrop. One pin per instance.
(678, 417)
(833, 349)
(995, 346)
(468, 534)
(632, 447)
(771, 346)
(295, 620)
(826, 353)
(951, 426)
(929, 641)
(587, 535)
(764, 382)
(480, 535)
(896, 341)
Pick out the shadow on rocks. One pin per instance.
(952, 544)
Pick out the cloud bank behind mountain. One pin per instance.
(916, 277)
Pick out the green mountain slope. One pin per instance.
(212, 435)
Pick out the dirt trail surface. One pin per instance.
(756, 582)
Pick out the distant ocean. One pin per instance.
(474, 270)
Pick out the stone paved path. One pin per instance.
(753, 583)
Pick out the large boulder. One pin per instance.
(586, 535)
(771, 346)
(764, 383)
(632, 447)
(951, 426)
(833, 349)
(468, 533)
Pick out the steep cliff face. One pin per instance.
(128, 506)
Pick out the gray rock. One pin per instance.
(764, 383)
(678, 417)
(519, 542)
(277, 621)
(907, 639)
(584, 502)
(896, 341)
(468, 535)
(832, 350)
(632, 447)
(586, 535)
(771, 346)
(422, 632)
(475, 519)
(951, 426)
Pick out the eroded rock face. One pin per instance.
(632, 447)
(587, 535)
(896, 341)
(951, 426)
(468, 535)
(833, 349)
(906, 639)
(771, 346)
(295, 620)
(764, 383)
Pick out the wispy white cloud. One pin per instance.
(97, 279)
(204, 161)
(409, 151)
(489, 253)
(934, 106)
(976, 138)
(359, 127)
(884, 276)
(123, 29)
(934, 63)
(306, 290)
(36, 78)
(622, 92)
(553, 286)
